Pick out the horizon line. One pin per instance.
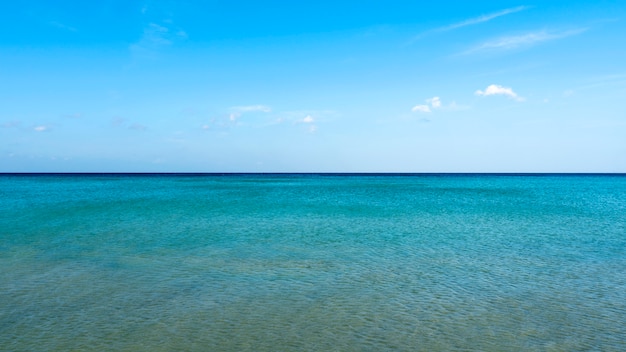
(312, 173)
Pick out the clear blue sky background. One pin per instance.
(312, 86)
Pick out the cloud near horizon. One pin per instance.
(310, 121)
(237, 111)
(251, 108)
(435, 103)
(41, 128)
(10, 124)
(138, 127)
(421, 108)
(495, 89)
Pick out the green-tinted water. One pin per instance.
(304, 262)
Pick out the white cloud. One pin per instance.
(41, 128)
(310, 122)
(435, 102)
(524, 40)
(420, 108)
(483, 18)
(233, 116)
(495, 89)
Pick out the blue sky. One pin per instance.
(277, 86)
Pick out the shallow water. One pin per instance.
(313, 263)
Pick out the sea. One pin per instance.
(312, 262)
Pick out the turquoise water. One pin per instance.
(313, 263)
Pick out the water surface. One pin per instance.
(313, 262)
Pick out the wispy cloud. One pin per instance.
(453, 106)
(182, 34)
(612, 80)
(260, 117)
(222, 123)
(73, 116)
(310, 121)
(154, 34)
(120, 122)
(159, 32)
(138, 127)
(307, 120)
(251, 108)
(483, 18)
(41, 128)
(10, 124)
(523, 40)
(217, 124)
(62, 26)
(237, 111)
(156, 37)
(606, 80)
(473, 21)
(495, 89)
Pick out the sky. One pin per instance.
(312, 86)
